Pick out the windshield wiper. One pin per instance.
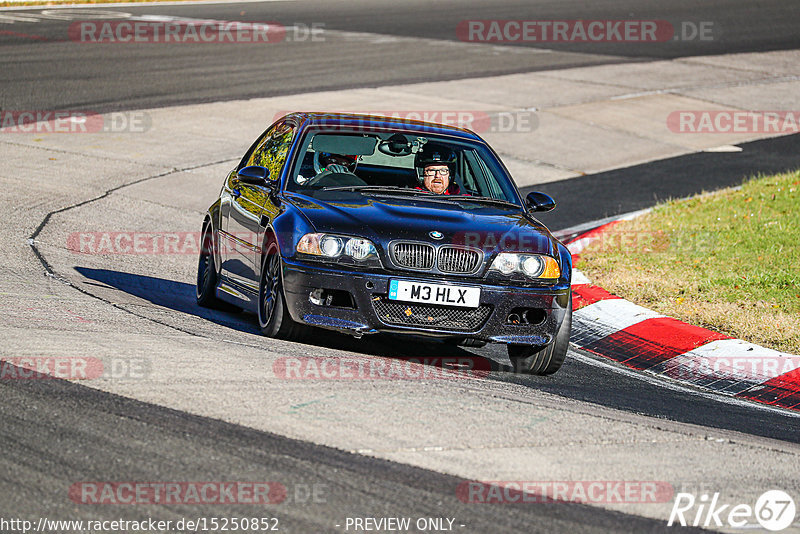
(484, 199)
(380, 189)
(390, 189)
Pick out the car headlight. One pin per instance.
(342, 249)
(506, 263)
(330, 246)
(359, 249)
(531, 265)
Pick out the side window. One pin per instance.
(272, 152)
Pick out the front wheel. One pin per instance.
(546, 360)
(207, 272)
(273, 317)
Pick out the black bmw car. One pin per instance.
(365, 224)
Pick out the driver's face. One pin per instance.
(437, 178)
(336, 159)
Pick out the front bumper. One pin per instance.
(367, 313)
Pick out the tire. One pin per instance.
(273, 317)
(206, 287)
(534, 360)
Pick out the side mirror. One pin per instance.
(539, 201)
(254, 174)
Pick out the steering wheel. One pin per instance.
(335, 179)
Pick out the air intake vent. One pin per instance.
(413, 255)
(392, 312)
(458, 260)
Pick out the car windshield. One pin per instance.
(400, 163)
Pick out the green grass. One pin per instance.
(728, 260)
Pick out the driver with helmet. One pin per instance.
(435, 166)
(337, 163)
(330, 163)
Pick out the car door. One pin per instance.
(230, 190)
(250, 203)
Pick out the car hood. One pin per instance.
(386, 218)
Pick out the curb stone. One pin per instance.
(614, 328)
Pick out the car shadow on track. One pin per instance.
(180, 297)
(576, 380)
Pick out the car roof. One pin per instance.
(372, 122)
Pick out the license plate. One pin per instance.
(466, 297)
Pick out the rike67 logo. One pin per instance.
(774, 510)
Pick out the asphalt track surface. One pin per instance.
(597, 196)
(55, 433)
(41, 69)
